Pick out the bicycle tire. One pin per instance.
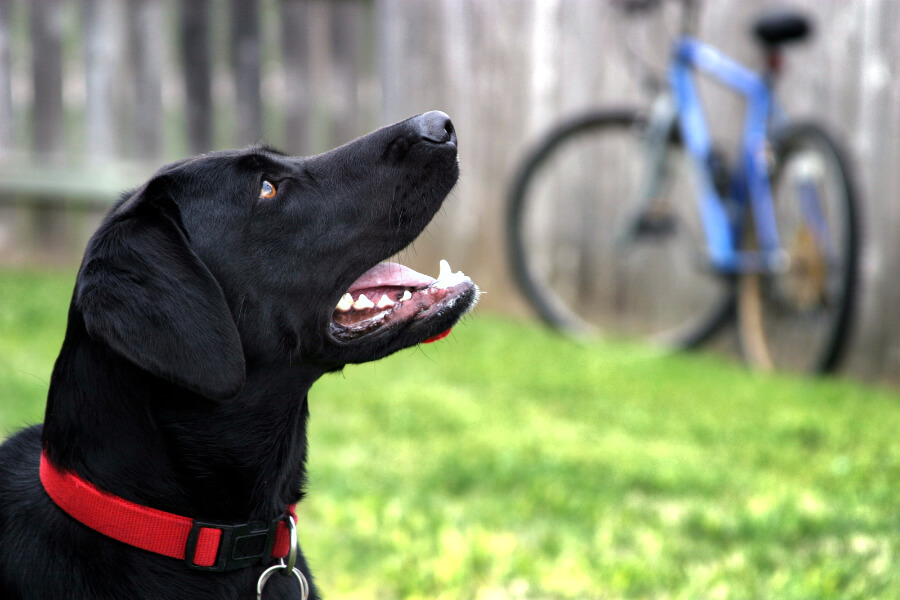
(800, 319)
(709, 305)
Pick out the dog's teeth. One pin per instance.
(385, 302)
(448, 278)
(406, 296)
(445, 271)
(345, 304)
(363, 303)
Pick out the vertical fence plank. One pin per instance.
(197, 68)
(146, 33)
(320, 80)
(345, 34)
(879, 150)
(8, 214)
(7, 133)
(295, 70)
(390, 55)
(103, 46)
(47, 119)
(245, 49)
(884, 206)
(46, 43)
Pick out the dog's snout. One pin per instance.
(436, 127)
(424, 135)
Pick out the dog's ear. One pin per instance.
(144, 292)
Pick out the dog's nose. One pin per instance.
(436, 127)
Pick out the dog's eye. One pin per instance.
(267, 190)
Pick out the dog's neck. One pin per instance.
(230, 461)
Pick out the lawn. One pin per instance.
(504, 462)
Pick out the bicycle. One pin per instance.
(601, 238)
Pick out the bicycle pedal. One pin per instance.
(655, 226)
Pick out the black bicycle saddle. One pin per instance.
(781, 26)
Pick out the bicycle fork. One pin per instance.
(639, 219)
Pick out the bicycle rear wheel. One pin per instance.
(592, 257)
(799, 319)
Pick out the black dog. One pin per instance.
(207, 304)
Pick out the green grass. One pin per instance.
(503, 462)
(33, 310)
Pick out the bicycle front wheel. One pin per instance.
(798, 319)
(594, 253)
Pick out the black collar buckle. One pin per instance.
(240, 546)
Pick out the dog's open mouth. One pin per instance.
(390, 294)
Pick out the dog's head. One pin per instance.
(252, 257)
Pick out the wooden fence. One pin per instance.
(94, 94)
(505, 70)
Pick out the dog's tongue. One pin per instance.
(389, 274)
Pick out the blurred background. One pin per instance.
(96, 94)
(503, 462)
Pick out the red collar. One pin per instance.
(203, 546)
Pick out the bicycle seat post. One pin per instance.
(773, 61)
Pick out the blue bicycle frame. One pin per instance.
(750, 181)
